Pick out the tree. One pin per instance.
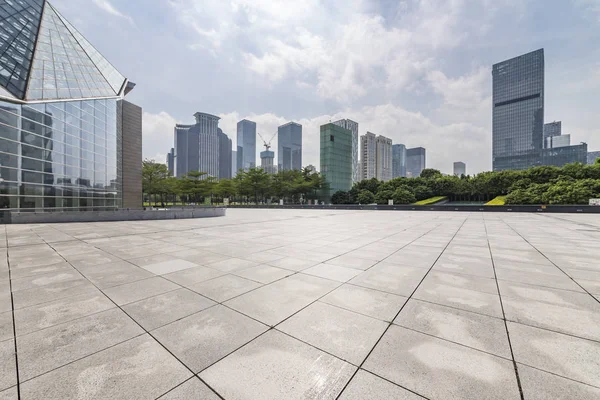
(403, 196)
(154, 176)
(340, 197)
(365, 197)
(257, 182)
(422, 192)
(383, 196)
(430, 173)
(597, 162)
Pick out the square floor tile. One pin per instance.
(165, 267)
(396, 279)
(264, 273)
(350, 261)
(365, 385)
(191, 389)
(55, 291)
(415, 361)
(114, 274)
(540, 385)
(190, 276)
(293, 263)
(224, 287)
(130, 292)
(8, 371)
(345, 334)
(232, 264)
(333, 272)
(376, 304)
(6, 325)
(266, 368)
(203, 338)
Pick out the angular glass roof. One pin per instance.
(60, 64)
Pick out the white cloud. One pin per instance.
(109, 8)
(157, 135)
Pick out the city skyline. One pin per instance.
(430, 92)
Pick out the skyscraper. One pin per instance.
(553, 129)
(69, 141)
(353, 127)
(552, 142)
(197, 146)
(368, 155)
(171, 161)
(267, 158)
(518, 111)
(289, 146)
(592, 156)
(398, 160)
(415, 162)
(460, 168)
(234, 169)
(224, 155)
(336, 158)
(383, 158)
(246, 145)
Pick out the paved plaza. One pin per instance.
(303, 304)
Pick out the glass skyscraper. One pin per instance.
(518, 112)
(289, 146)
(336, 158)
(246, 145)
(197, 146)
(398, 160)
(352, 127)
(415, 161)
(68, 140)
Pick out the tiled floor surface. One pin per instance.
(301, 304)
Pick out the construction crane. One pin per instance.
(267, 144)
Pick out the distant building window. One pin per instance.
(331, 138)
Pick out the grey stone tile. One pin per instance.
(345, 334)
(203, 338)
(137, 369)
(365, 385)
(275, 302)
(470, 329)
(6, 325)
(293, 263)
(232, 264)
(153, 259)
(139, 290)
(191, 389)
(568, 356)
(464, 264)
(165, 308)
(415, 361)
(56, 291)
(8, 370)
(538, 279)
(376, 304)
(266, 368)
(224, 287)
(56, 312)
(17, 273)
(461, 281)
(264, 273)
(560, 310)
(396, 279)
(108, 275)
(47, 349)
(350, 261)
(9, 394)
(37, 281)
(166, 267)
(190, 276)
(333, 272)
(263, 257)
(200, 257)
(540, 385)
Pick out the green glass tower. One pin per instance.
(336, 158)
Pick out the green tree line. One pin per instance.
(572, 184)
(252, 186)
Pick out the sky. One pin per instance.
(416, 71)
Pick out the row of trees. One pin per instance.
(572, 184)
(254, 185)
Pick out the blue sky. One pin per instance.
(417, 71)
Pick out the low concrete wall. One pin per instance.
(442, 207)
(11, 217)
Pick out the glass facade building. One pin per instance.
(518, 111)
(224, 155)
(246, 145)
(398, 160)
(415, 161)
(336, 158)
(592, 156)
(62, 116)
(289, 147)
(356, 166)
(460, 168)
(197, 146)
(552, 129)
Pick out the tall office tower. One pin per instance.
(415, 162)
(267, 158)
(460, 168)
(171, 161)
(197, 146)
(553, 129)
(225, 155)
(234, 169)
(383, 158)
(336, 158)
(246, 145)
(552, 142)
(289, 146)
(368, 152)
(353, 127)
(68, 139)
(592, 156)
(398, 160)
(518, 112)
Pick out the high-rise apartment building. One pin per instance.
(368, 159)
(398, 160)
(171, 161)
(415, 162)
(383, 158)
(518, 111)
(352, 127)
(553, 129)
(289, 146)
(225, 155)
(68, 139)
(592, 156)
(197, 146)
(246, 145)
(460, 168)
(336, 158)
